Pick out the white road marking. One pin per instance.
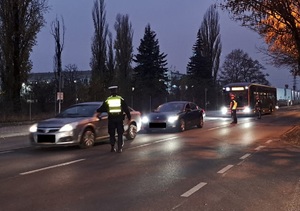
(51, 167)
(7, 151)
(245, 156)
(269, 141)
(155, 142)
(194, 189)
(259, 148)
(225, 169)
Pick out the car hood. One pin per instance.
(59, 122)
(171, 113)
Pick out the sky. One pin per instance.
(175, 23)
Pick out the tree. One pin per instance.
(199, 74)
(211, 38)
(111, 62)
(59, 46)
(98, 61)
(150, 73)
(239, 67)
(124, 54)
(20, 21)
(277, 21)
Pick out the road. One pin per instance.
(218, 167)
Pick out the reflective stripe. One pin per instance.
(234, 106)
(114, 104)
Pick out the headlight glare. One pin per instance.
(247, 110)
(172, 119)
(145, 119)
(67, 128)
(33, 128)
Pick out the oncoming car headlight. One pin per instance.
(33, 128)
(172, 119)
(68, 127)
(145, 119)
(247, 110)
(224, 110)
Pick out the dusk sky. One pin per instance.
(175, 23)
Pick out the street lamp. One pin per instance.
(76, 94)
(132, 89)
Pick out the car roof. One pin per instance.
(178, 101)
(89, 103)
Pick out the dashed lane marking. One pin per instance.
(194, 189)
(245, 156)
(223, 170)
(259, 148)
(51, 167)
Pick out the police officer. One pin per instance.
(115, 106)
(233, 106)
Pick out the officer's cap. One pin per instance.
(112, 87)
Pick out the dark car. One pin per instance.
(178, 115)
(80, 125)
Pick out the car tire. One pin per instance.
(181, 125)
(87, 139)
(131, 132)
(201, 122)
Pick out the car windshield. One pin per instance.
(171, 107)
(79, 111)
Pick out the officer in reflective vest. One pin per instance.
(115, 106)
(233, 106)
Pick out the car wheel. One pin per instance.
(200, 124)
(181, 125)
(87, 139)
(131, 132)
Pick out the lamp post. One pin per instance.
(132, 89)
(76, 94)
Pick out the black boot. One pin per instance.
(113, 148)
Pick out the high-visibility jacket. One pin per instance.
(233, 105)
(114, 104)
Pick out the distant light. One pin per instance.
(237, 88)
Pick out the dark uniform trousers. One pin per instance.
(115, 122)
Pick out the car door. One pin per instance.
(188, 114)
(194, 115)
(102, 125)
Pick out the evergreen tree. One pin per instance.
(150, 73)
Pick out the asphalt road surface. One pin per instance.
(218, 167)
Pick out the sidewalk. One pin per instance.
(11, 131)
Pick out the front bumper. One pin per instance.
(53, 139)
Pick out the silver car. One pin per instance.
(80, 125)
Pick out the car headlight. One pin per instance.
(33, 128)
(172, 119)
(247, 110)
(224, 110)
(145, 119)
(68, 127)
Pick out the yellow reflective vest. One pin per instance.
(233, 105)
(114, 104)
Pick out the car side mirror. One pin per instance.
(102, 115)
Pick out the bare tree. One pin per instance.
(239, 67)
(59, 46)
(20, 21)
(98, 61)
(211, 38)
(278, 21)
(124, 53)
